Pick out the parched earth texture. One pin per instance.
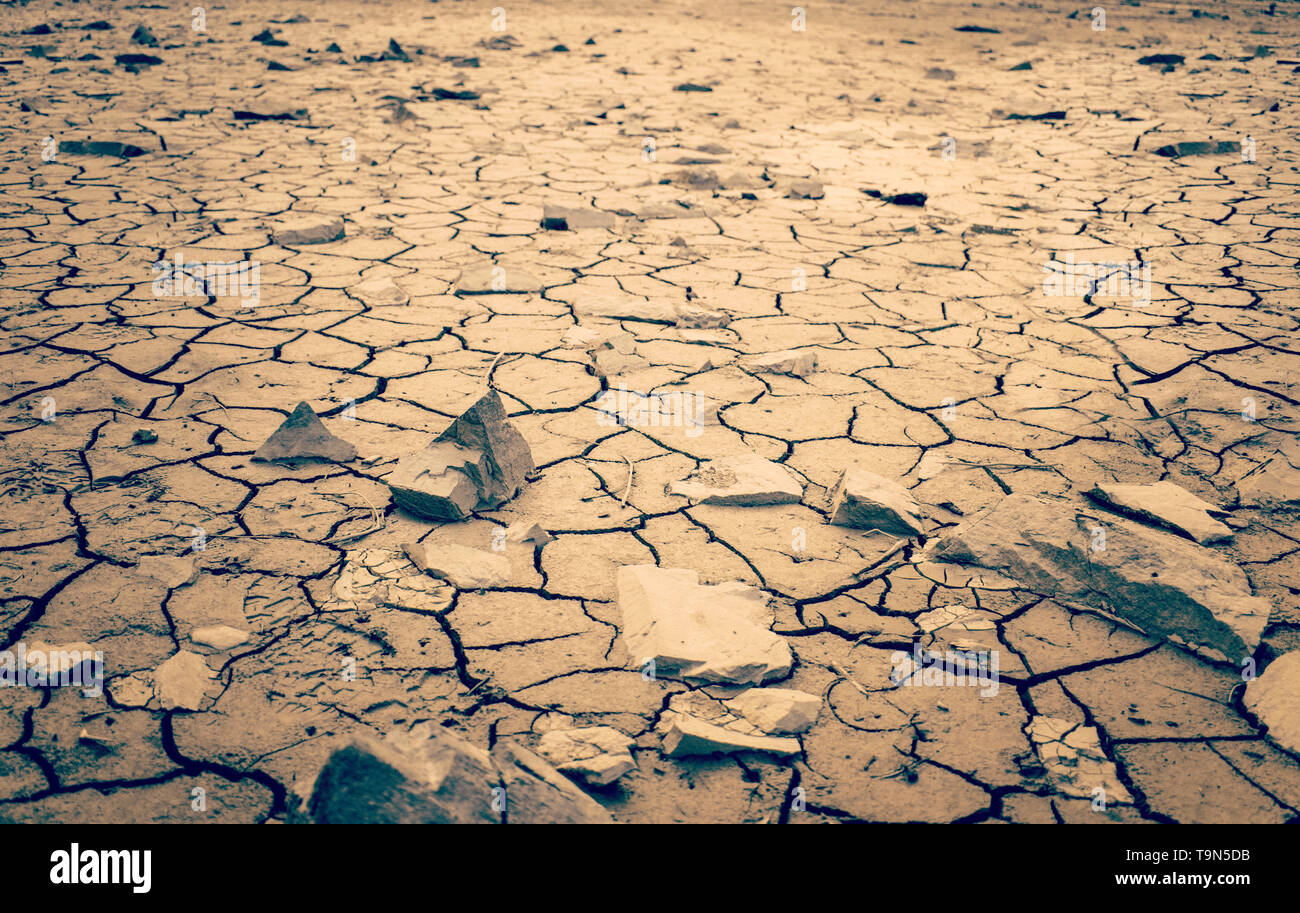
(941, 364)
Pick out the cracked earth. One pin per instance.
(692, 206)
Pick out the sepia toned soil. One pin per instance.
(726, 160)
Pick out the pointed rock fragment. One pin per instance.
(479, 462)
(528, 533)
(406, 780)
(302, 437)
(536, 793)
(806, 190)
(865, 500)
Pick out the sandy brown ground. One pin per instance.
(942, 365)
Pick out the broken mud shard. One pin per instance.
(696, 632)
(1160, 582)
(478, 463)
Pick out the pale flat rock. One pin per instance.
(1157, 581)
(780, 711)
(464, 568)
(743, 480)
(688, 736)
(308, 228)
(699, 317)
(1274, 699)
(864, 500)
(806, 190)
(597, 755)
(496, 279)
(380, 292)
(479, 462)
(797, 362)
(219, 637)
(702, 633)
(182, 681)
(302, 437)
(625, 308)
(1165, 504)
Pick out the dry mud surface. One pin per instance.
(252, 616)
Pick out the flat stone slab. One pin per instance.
(219, 637)
(698, 317)
(687, 736)
(302, 437)
(779, 711)
(742, 481)
(1159, 582)
(805, 190)
(865, 500)
(464, 568)
(181, 683)
(536, 793)
(625, 308)
(597, 755)
(699, 633)
(1164, 504)
(797, 362)
(308, 228)
(1274, 699)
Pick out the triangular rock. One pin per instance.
(303, 437)
(478, 463)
